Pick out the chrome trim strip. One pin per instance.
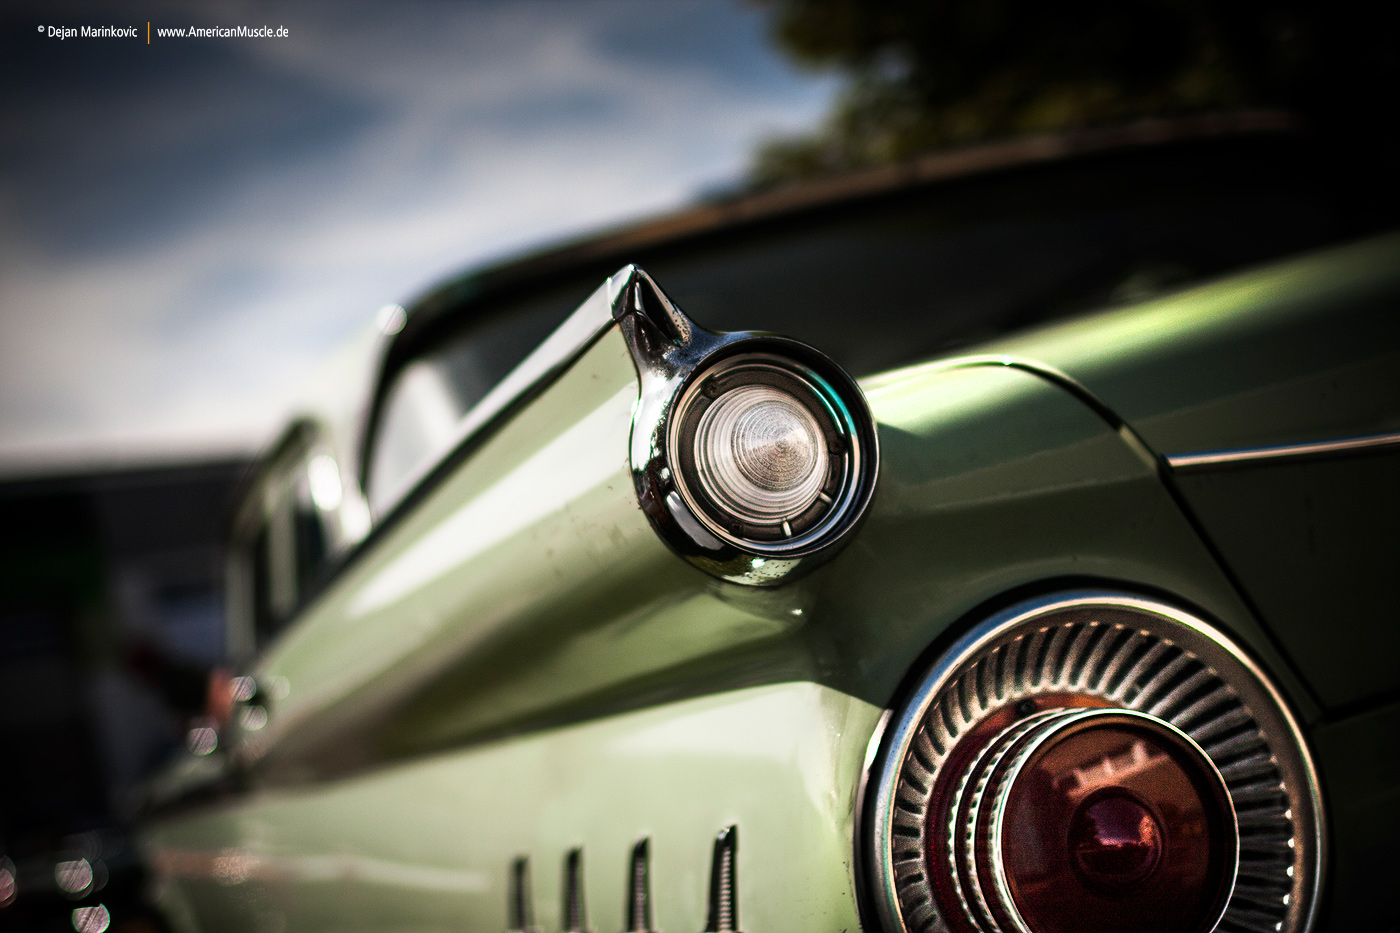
(867, 895)
(1280, 452)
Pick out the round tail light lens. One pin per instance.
(754, 456)
(761, 454)
(1105, 814)
(767, 457)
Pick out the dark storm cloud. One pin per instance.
(143, 157)
(186, 226)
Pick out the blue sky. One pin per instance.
(186, 228)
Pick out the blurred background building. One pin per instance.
(111, 617)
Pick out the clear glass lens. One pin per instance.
(761, 454)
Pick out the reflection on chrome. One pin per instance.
(75, 877)
(91, 919)
(323, 476)
(243, 688)
(390, 319)
(1112, 769)
(202, 740)
(252, 718)
(7, 881)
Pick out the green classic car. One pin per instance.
(1040, 580)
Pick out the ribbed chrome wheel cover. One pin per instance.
(1130, 653)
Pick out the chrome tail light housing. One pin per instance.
(1094, 761)
(753, 455)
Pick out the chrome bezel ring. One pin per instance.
(1104, 649)
(676, 359)
(844, 450)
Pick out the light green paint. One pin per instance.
(1296, 351)
(427, 846)
(642, 695)
(1241, 305)
(534, 491)
(541, 513)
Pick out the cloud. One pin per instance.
(209, 230)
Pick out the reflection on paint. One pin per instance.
(590, 453)
(237, 866)
(920, 398)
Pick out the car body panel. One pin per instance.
(501, 550)
(1359, 757)
(428, 846)
(461, 627)
(1297, 353)
(1310, 542)
(567, 624)
(1294, 352)
(460, 693)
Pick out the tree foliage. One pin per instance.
(937, 73)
